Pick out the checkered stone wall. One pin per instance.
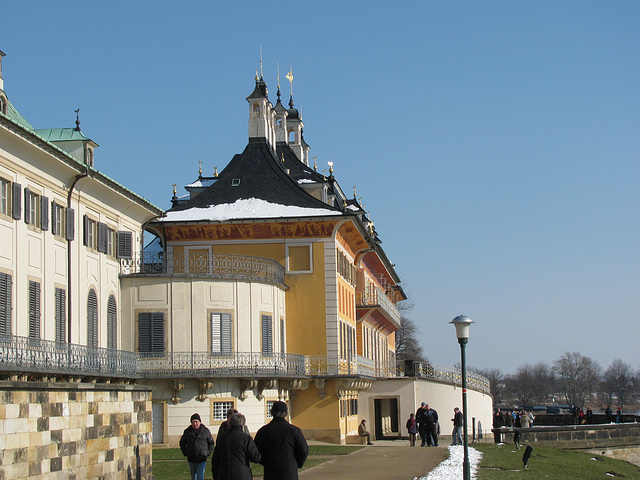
(74, 431)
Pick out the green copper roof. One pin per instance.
(14, 115)
(61, 134)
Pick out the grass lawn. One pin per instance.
(504, 462)
(169, 464)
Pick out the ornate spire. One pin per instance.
(290, 78)
(78, 120)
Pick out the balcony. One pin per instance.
(374, 306)
(26, 356)
(216, 265)
(205, 364)
(20, 355)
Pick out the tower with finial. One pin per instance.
(261, 112)
(281, 115)
(295, 126)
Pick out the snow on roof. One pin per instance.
(245, 208)
(306, 180)
(204, 182)
(353, 208)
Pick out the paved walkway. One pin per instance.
(385, 460)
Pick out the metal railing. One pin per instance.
(375, 296)
(193, 364)
(22, 354)
(334, 365)
(441, 373)
(216, 265)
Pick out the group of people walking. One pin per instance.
(279, 446)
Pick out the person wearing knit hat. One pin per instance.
(282, 445)
(196, 444)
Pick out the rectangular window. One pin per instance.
(111, 242)
(220, 410)
(61, 315)
(90, 233)
(269, 407)
(58, 222)
(6, 283)
(267, 335)
(221, 333)
(34, 309)
(31, 208)
(151, 332)
(5, 196)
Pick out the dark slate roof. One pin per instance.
(260, 91)
(297, 169)
(261, 175)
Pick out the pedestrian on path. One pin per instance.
(196, 444)
(457, 427)
(412, 429)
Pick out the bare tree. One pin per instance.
(530, 384)
(496, 381)
(407, 345)
(577, 377)
(618, 381)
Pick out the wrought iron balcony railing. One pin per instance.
(197, 364)
(450, 375)
(334, 366)
(375, 296)
(215, 265)
(21, 354)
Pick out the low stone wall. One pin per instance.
(576, 435)
(74, 431)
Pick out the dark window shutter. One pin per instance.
(221, 333)
(5, 304)
(144, 332)
(102, 237)
(61, 315)
(92, 319)
(225, 333)
(85, 237)
(282, 349)
(16, 198)
(125, 244)
(54, 230)
(34, 309)
(112, 324)
(71, 229)
(27, 205)
(157, 332)
(267, 332)
(44, 213)
(151, 332)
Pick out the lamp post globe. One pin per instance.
(462, 324)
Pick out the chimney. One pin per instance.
(1, 81)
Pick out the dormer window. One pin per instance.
(279, 122)
(235, 182)
(88, 156)
(3, 104)
(256, 110)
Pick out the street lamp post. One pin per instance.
(462, 324)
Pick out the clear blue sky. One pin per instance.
(495, 144)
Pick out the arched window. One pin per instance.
(92, 319)
(292, 136)
(112, 324)
(256, 110)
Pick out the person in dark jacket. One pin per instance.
(422, 424)
(456, 434)
(431, 417)
(282, 445)
(224, 426)
(196, 444)
(233, 452)
(412, 429)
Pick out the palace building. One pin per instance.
(270, 283)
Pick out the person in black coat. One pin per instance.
(196, 444)
(282, 445)
(422, 424)
(431, 417)
(233, 452)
